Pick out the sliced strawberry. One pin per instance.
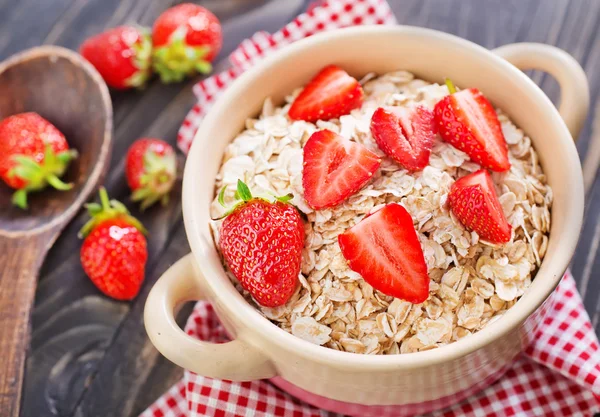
(468, 121)
(385, 250)
(405, 135)
(474, 202)
(330, 94)
(335, 168)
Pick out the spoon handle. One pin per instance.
(20, 260)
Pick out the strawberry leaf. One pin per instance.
(56, 182)
(27, 162)
(243, 191)
(285, 198)
(221, 197)
(19, 199)
(93, 208)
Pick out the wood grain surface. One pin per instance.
(89, 355)
(33, 81)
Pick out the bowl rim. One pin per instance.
(249, 315)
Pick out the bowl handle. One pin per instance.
(574, 90)
(234, 361)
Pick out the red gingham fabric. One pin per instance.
(558, 374)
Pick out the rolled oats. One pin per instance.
(473, 282)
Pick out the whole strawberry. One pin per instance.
(113, 254)
(33, 154)
(151, 170)
(262, 244)
(186, 39)
(121, 55)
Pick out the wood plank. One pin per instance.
(21, 29)
(90, 355)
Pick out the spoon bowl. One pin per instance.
(67, 91)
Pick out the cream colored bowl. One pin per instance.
(347, 382)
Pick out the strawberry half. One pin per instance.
(330, 94)
(335, 168)
(262, 243)
(474, 202)
(468, 121)
(405, 135)
(385, 250)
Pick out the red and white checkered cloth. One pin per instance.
(558, 375)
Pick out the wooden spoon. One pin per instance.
(66, 90)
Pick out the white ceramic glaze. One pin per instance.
(347, 382)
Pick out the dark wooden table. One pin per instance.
(89, 354)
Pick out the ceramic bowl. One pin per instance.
(361, 384)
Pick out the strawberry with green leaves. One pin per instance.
(186, 39)
(113, 254)
(33, 154)
(121, 55)
(151, 170)
(262, 243)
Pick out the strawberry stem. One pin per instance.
(106, 210)
(104, 200)
(450, 85)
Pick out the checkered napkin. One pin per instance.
(558, 375)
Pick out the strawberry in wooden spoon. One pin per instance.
(405, 135)
(385, 250)
(335, 168)
(33, 155)
(473, 201)
(330, 94)
(468, 121)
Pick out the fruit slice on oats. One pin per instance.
(335, 168)
(474, 202)
(385, 250)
